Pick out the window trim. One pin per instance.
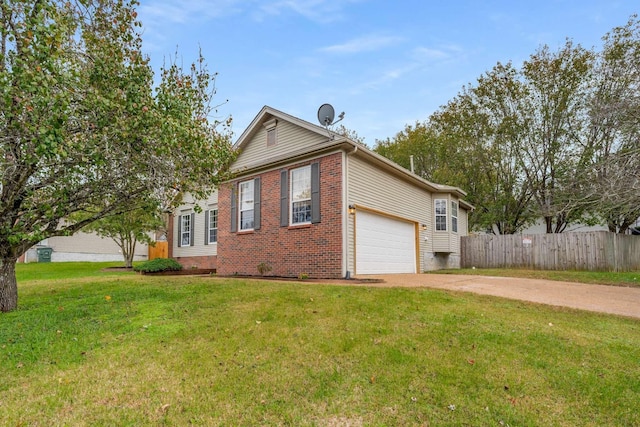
(208, 226)
(291, 199)
(181, 229)
(443, 203)
(236, 214)
(285, 195)
(250, 182)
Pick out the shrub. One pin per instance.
(264, 268)
(158, 264)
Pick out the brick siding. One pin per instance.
(200, 262)
(314, 249)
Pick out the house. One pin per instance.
(305, 202)
(83, 246)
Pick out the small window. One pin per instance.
(441, 215)
(246, 205)
(301, 195)
(213, 226)
(454, 217)
(185, 230)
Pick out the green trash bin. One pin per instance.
(44, 254)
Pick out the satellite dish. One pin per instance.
(326, 114)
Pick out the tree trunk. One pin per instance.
(127, 245)
(8, 285)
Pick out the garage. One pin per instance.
(384, 245)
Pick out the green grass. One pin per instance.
(123, 349)
(64, 270)
(630, 279)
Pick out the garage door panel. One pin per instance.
(384, 245)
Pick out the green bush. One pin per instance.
(158, 264)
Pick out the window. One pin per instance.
(185, 230)
(301, 195)
(211, 226)
(454, 217)
(246, 205)
(441, 215)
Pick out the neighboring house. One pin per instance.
(540, 227)
(83, 247)
(305, 202)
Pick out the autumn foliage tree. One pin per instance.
(83, 133)
(555, 139)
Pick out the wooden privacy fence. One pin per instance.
(160, 250)
(593, 250)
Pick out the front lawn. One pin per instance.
(123, 349)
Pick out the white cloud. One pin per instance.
(363, 44)
(183, 12)
(321, 11)
(314, 10)
(440, 53)
(428, 53)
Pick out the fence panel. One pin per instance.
(160, 250)
(594, 250)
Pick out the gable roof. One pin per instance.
(333, 141)
(267, 113)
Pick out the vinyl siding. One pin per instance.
(446, 241)
(289, 138)
(463, 221)
(89, 243)
(372, 188)
(198, 248)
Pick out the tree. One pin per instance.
(82, 132)
(611, 178)
(558, 139)
(349, 133)
(557, 86)
(470, 143)
(129, 228)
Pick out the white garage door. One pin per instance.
(384, 245)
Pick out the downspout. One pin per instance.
(345, 213)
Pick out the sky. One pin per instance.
(386, 64)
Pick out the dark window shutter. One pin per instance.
(206, 227)
(256, 204)
(234, 206)
(284, 198)
(315, 193)
(191, 230)
(179, 230)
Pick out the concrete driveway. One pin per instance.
(618, 300)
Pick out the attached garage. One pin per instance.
(384, 245)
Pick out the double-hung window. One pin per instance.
(211, 226)
(301, 195)
(441, 214)
(454, 217)
(246, 206)
(185, 229)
